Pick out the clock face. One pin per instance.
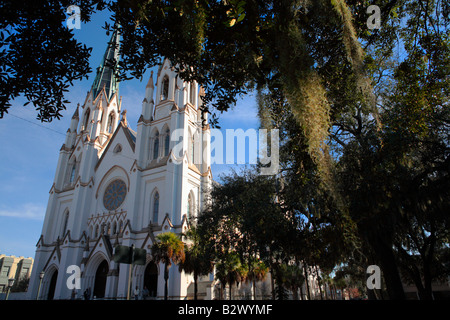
(114, 195)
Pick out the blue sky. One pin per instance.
(30, 149)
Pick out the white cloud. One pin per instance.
(26, 211)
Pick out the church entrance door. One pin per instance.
(151, 279)
(100, 280)
(52, 286)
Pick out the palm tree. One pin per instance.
(257, 271)
(328, 282)
(294, 279)
(167, 250)
(197, 258)
(230, 270)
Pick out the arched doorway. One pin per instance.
(151, 279)
(100, 280)
(52, 285)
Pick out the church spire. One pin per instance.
(107, 71)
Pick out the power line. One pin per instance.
(37, 124)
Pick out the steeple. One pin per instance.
(107, 71)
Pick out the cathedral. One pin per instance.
(115, 186)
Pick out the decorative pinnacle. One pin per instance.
(150, 81)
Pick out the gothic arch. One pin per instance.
(65, 222)
(86, 117)
(165, 133)
(191, 205)
(110, 122)
(191, 146)
(50, 282)
(106, 178)
(155, 144)
(192, 92)
(147, 277)
(92, 267)
(164, 88)
(155, 206)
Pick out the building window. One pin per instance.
(156, 146)
(110, 125)
(72, 172)
(165, 88)
(117, 148)
(86, 118)
(155, 207)
(114, 195)
(5, 271)
(66, 221)
(166, 142)
(191, 149)
(192, 94)
(189, 207)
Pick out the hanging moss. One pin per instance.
(355, 52)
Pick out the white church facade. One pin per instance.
(114, 186)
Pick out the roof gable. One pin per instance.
(130, 137)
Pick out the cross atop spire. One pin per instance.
(107, 71)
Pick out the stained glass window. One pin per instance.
(114, 195)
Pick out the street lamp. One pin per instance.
(10, 284)
(41, 276)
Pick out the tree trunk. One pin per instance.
(272, 283)
(230, 291)
(306, 281)
(427, 262)
(388, 265)
(301, 292)
(295, 293)
(319, 283)
(254, 289)
(195, 285)
(222, 292)
(166, 279)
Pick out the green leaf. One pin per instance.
(241, 17)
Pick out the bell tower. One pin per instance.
(101, 110)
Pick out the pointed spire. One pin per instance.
(75, 114)
(107, 71)
(124, 118)
(86, 247)
(74, 122)
(150, 81)
(149, 89)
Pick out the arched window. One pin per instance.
(66, 221)
(191, 149)
(166, 142)
(165, 88)
(155, 207)
(114, 228)
(110, 125)
(86, 118)
(189, 207)
(120, 226)
(96, 231)
(117, 148)
(156, 146)
(72, 172)
(192, 94)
